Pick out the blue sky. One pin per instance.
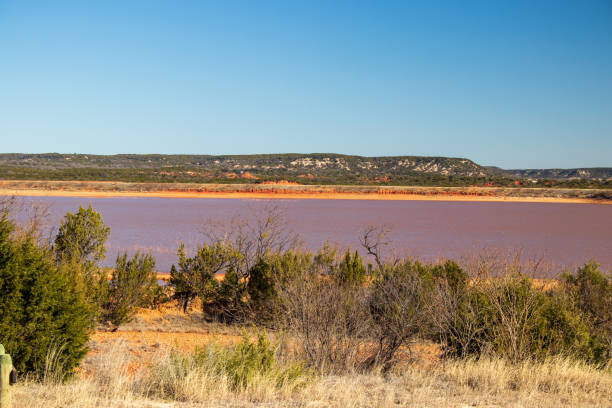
(508, 83)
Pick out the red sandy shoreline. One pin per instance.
(296, 195)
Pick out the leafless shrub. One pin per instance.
(330, 322)
(374, 239)
(30, 216)
(263, 231)
(491, 262)
(398, 306)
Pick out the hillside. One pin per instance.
(594, 173)
(309, 169)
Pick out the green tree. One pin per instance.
(228, 304)
(195, 276)
(399, 303)
(41, 308)
(133, 284)
(79, 246)
(351, 269)
(591, 290)
(81, 237)
(261, 290)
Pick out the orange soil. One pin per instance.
(294, 195)
(281, 183)
(146, 340)
(155, 331)
(282, 190)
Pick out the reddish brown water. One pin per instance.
(567, 234)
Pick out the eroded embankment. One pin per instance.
(285, 191)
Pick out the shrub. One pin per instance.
(398, 306)
(161, 295)
(330, 323)
(458, 312)
(262, 291)
(81, 237)
(351, 270)
(508, 317)
(196, 276)
(41, 308)
(249, 359)
(561, 329)
(591, 290)
(238, 368)
(79, 246)
(133, 284)
(226, 301)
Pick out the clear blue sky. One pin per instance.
(508, 83)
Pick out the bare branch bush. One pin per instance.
(30, 216)
(330, 322)
(263, 231)
(398, 307)
(374, 239)
(239, 250)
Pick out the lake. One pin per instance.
(566, 234)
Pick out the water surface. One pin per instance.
(568, 234)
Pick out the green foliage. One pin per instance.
(183, 281)
(510, 318)
(351, 270)
(261, 290)
(591, 290)
(81, 237)
(41, 308)
(227, 298)
(561, 329)
(452, 274)
(79, 246)
(398, 305)
(249, 359)
(133, 284)
(195, 276)
(246, 363)
(161, 295)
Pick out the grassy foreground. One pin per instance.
(486, 383)
(137, 366)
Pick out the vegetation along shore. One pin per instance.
(250, 318)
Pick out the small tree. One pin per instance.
(591, 289)
(41, 308)
(182, 279)
(196, 275)
(79, 247)
(81, 237)
(351, 269)
(260, 286)
(458, 311)
(398, 305)
(133, 284)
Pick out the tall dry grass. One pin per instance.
(112, 379)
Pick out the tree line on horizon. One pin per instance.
(253, 169)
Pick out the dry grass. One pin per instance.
(115, 382)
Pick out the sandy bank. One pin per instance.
(248, 191)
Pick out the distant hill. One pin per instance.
(595, 173)
(315, 168)
(293, 163)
